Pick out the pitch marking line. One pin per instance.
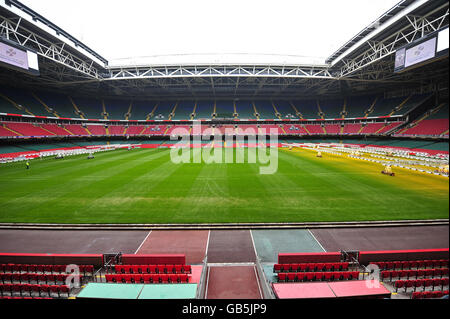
(207, 243)
(254, 247)
(257, 280)
(207, 283)
(317, 240)
(145, 239)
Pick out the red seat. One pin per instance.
(420, 273)
(310, 276)
(406, 265)
(409, 284)
(437, 294)
(399, 284)
(179, 269)
(354, 275)
(403, 273)
(295, 267)
(303, 267)
(164, 278)
(6, 278)
(429, 272)
(187, 269)
(138, 279)
(15, 277)
(161, 269)
(184, 278)
(129, 278)
(418, 283)
(300, 276)
(16, 268)
(413, 264)
(173, 278)
(328, 276)
(390, 265)
(412, 273)
(136, 269)
(45, 288)
(397, 265)
(119, 269)
(394, 274)
(282, 277)
(54, 289)
(291, 277)
(64, 290)
(36, 288)
(171, 269)
(148, 278)
(110, 278)
(48, 268)
(385, 274)
(151, 269)
(417, 295)
(155, 278)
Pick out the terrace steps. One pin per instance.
(172, 114)
(277, 114)
(299, 114)
(320, 113)
(152, 113)
(371, 108)
(47, 108)
(256, 110)
(67, 130)
(51, 133)
(400, 106)
(105, 114)
(193, 113)
(77, 110)
(130, 109)
(11, 130)
(17, 106)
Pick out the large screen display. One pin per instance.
(18, 58)
(430, 48)
(420, 53)
(13, 56)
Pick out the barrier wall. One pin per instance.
(298, 258)
(365, 257)
(154, 259)
(52, 259)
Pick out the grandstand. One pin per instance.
(141, 226)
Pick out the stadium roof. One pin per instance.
(365, 63)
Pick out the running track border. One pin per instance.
(312, 225)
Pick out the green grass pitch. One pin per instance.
(144, 186)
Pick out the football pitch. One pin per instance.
(146, 187)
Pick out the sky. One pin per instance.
(124, 31)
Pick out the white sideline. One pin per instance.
(142, 242)
(317, 240)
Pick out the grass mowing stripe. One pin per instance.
(144, 186)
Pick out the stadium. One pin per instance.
(222, 177)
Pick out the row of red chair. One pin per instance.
(429, 294)
(37, 278)
(148, 278)
(439, 272)
(392, 265)
(10, 268)
(153, 269)
(23, 298)
(421, 283)
(29, 288)
(318, 276)
(306, 267)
